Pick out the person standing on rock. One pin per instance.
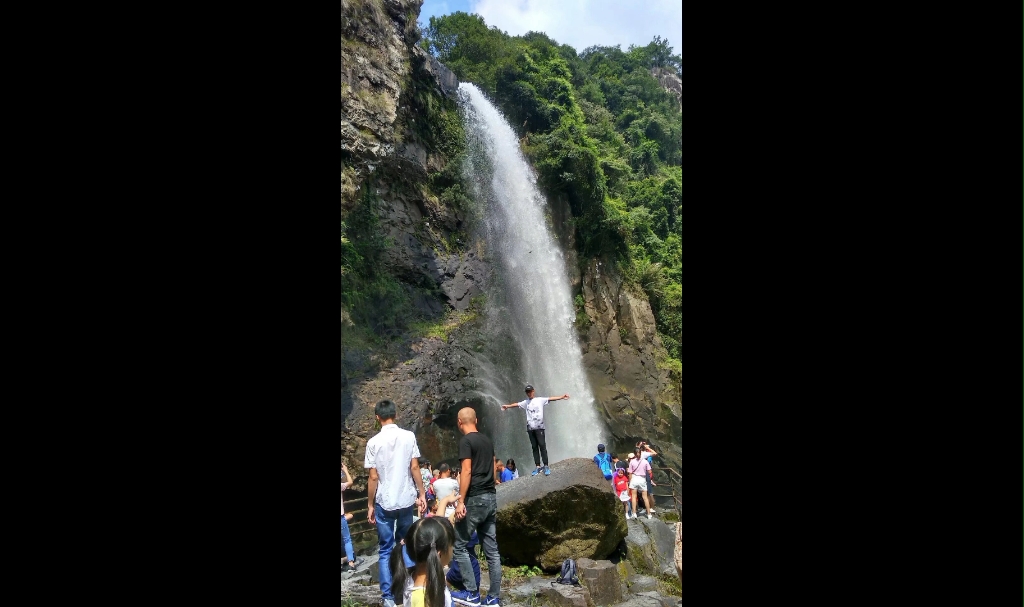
(621, 483)
(394, 488)
(604, 462)
(638, 468)
(534, 408)
(477, 510)
(648, 453)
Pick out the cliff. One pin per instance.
(413, 275)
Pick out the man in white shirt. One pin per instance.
(394, 488)
(534, 408)
(445, 485)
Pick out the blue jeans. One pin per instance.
(454, 576)
(346, 540)
(389, 536)
(481, 513)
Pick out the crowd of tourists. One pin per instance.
(429, 521)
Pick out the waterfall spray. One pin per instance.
(529, 313)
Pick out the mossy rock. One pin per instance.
(543, 520)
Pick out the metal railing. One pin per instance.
(675, 495)
(356, 521)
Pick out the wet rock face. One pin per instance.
(621, 351)
(543, 520)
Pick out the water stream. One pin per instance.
(529, 312)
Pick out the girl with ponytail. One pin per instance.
(419, 566)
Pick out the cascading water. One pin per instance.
(529, 312)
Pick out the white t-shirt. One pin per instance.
(444, 487)
(391, 452)
(534, 412)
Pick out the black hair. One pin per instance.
(443, 468)
(424, 532)
(511, 464)
(385, 409)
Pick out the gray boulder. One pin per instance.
(640, 601)
(564, 595)
(642, 583)
(602, 580)
(664, 601)
(650, 546)
(543, 520)
(531, 588)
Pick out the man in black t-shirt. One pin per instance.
(477, 510)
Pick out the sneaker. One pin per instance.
(465, 597)
(547, 471)
(651, 511)
(389, 602)
(649, 517)
(536, 472)
(491, 600)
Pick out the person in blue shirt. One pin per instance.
(604, 462)
(505, 474)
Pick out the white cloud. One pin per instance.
(583, 23)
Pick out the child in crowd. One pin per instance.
(419, 566)
(622, 490)
(511, 465)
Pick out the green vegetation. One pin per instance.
(372, 297)
(582, 320)
(601, 131)
(442, 327)
(511, 576)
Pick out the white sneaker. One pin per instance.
(649, 517)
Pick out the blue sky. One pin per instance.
(579, 23)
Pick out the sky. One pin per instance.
(578, 23)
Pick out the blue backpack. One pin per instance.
(605, 463)
(568, 574)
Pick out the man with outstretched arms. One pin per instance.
(534, 407)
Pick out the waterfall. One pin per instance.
(529, 314)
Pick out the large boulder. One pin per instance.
(543, 520)
(650, 547)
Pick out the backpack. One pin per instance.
(568, 574)
(606, 465)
